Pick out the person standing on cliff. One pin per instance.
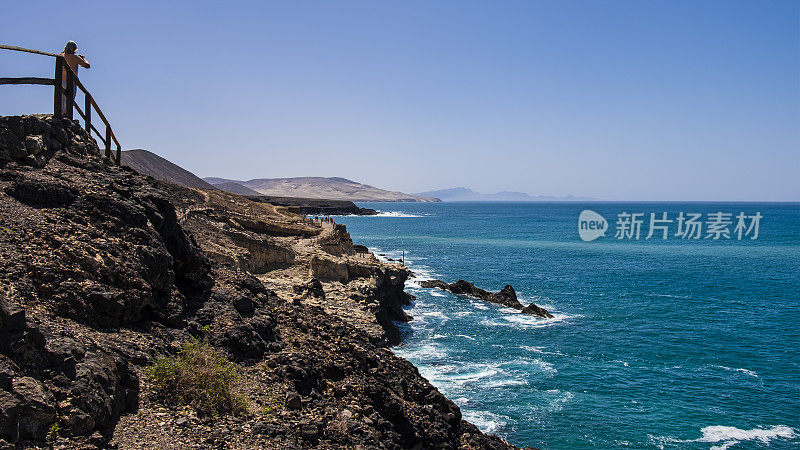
(74, 61)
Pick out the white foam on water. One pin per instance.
(526, 321)
(556, 399)
(437, 294)
(470, 377)
(437, 314)
(465, 336)
(533, 363)
(739, 370)
(545, 366)
(506, 382)
(539, 350)
(486, 421)
(423, 352)
(396, 214)
(726, 437)
(532, 349)
(729, 436)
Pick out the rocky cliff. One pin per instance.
(102, 270)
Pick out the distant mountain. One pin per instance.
(461, 194)
(148, 163)
(235, 188)
(334, 188)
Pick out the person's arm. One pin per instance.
(82, 61)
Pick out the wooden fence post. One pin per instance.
(70, 90)
(108, 142)
(119, 155)
(88, 111)
(58, 89)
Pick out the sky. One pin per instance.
(617, 100)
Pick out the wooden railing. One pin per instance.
(63, 90)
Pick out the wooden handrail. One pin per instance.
(94, 104)
(72, 82)
(27, 50)
(28, 80)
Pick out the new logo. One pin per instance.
(591, 225)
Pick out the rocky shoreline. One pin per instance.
(103, 271)
(506, 297)
(315, 206)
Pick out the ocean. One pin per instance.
(655, 343)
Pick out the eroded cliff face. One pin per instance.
(102, 269)
(285, 251)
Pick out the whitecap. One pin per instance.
(396, 214)
(740, 370)
(462, 379)
(727, 437)
(532, 349)
(486, 421)
(506, 382)
(535, 363)
(526, 321)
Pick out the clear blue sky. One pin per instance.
(628, 100)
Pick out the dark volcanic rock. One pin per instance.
(315, 206)
(391, 298)
(98, 277)
(536, 310)
(437, 284)
(506, 297)
(312, 288)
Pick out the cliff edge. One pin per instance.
(104, 271)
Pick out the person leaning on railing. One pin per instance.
(73, 61)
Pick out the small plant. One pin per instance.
(199, 376)
(52, 433)
(275, 402)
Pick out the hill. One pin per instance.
(334, 188)
(235, 188)
(148, 163)
(461, 194)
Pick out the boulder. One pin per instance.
(312, 288)
(536, 310)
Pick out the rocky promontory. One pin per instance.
(315, 206)
(506, 296)
(107, 275)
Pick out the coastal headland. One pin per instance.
(106, 275)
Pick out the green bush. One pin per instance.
(199, 376)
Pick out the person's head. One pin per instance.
(70, 48)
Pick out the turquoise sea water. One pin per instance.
(655, 343)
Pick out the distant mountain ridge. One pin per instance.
(333, 188)
(148, 163)
(462, 194)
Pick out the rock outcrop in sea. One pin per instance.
(103, 270)
(506, 296)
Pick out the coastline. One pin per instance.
(104, 270)
(610, 321)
